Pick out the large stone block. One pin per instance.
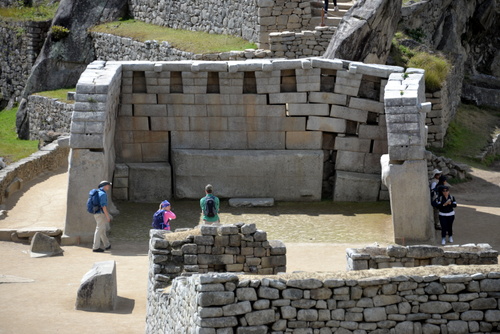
(281, 174)
(149, 182)
(411, 210)
(42, 245)
(98, 289)
(356, 187)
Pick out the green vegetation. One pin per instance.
(436, 69)
(11, 148)
(59, 94)
(436, 66)
(190, 41)
(469, 132)
(42, 12)
(58, 32)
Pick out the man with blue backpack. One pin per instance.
(210, 206)
(97, 204)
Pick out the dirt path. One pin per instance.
(38, 295)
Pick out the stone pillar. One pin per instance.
(405, 167)
(92, 156)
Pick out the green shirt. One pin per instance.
(217, 204)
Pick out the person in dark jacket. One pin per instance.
(445, 203)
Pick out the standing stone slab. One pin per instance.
(288, 175)
(98, 289)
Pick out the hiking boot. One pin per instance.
(108, 248)
(98, 250)
(443, 242)
(437, 227)
(450, 239)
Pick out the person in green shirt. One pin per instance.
(210, 206)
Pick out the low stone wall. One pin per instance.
(46, 114)
(112, 47)
(210, 248)
(21, 43)
(307, 43)
(252, 21)
(417, 256)
(450, 169)
(409, 302)
(50, 157)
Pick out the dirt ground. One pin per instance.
(37, 295)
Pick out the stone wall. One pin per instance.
(20, 44)
(462, 301)
(209, 248)
(306, 43)
(112, 47)
(46, 114)
(290, 45)
(49, 158)
(166, 112)
(252, 21)
(421, 255)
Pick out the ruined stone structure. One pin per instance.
(314, 116)
(224, 248)
(20, 44)
(47, 114)
(253, 21)
(372, 301)
(419, 255)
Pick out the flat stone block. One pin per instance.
(302, 109)
(189, 139)
(327, 124)
(356, 115)
(266, 140)
(330, 98)
(353, 144)
(282, 98)
(30, 232)
(304, 140)
(356, 187)
(149, 182)
(290, 174)
(251, 202)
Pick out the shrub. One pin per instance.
(58, 32)
(436, 69)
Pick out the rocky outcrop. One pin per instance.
(467, 30)
(62, 60)
(366, 32)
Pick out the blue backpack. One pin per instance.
(93, 203)
(158, 222)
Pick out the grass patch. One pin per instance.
(59, 94)
(190, 41)
(42, 12)
(11, 148)
(436, 69)
(469, 133)
(436, 66)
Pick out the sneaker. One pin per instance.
(108, 248)
(443, 242)
(450, 239)
(98, 250)
(336, 8)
